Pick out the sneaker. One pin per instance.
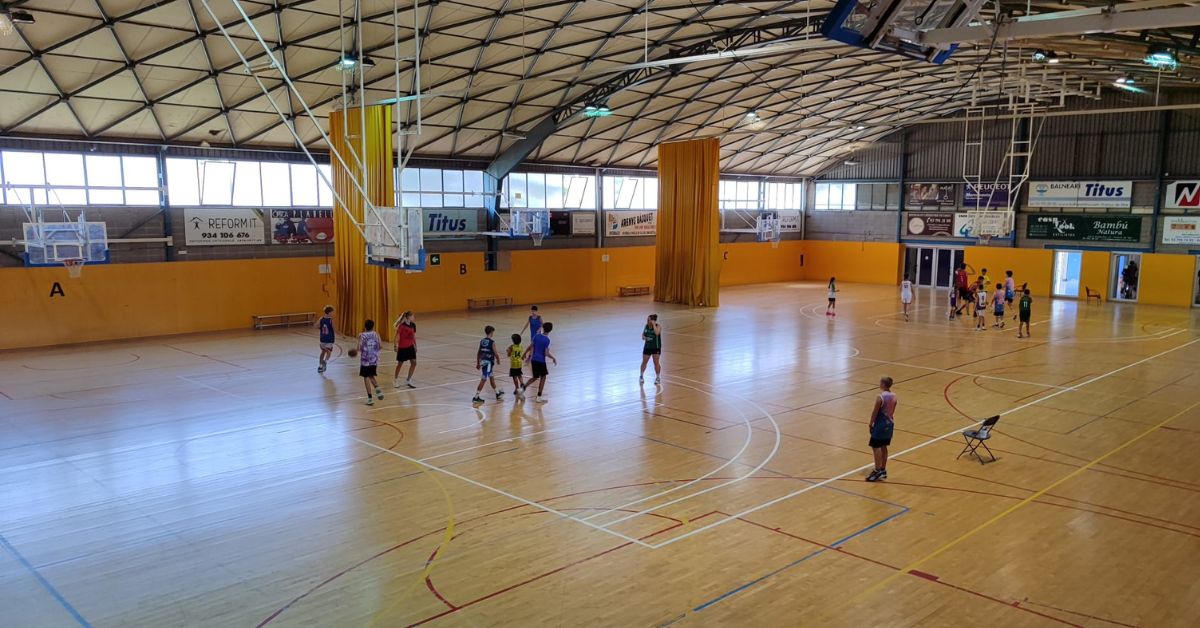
(906, 318)
(874, 476)
(370, 401)
(379, 393)
(657, 380)
(408, 382)
(477, 399)
(396, 384)
(539, 399)
(641, 380)
(499, 394)
(882, 474)
(321, 369)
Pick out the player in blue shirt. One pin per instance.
(327, 338)
(536, 354)
(535, 321)
(485, 363)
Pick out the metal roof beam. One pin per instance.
(1063, 23)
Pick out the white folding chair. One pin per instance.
(977, 438)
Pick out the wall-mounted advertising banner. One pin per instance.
(560, 223)
(1084, 228)
(988, 196)
(631, 223)
(927, 195)
(931, 223)
(1081, 194)
(583, 223)
(789, 221)
(451, 222)
(221, 227)
(302, 226)
(1181, 230)
(1183, 195)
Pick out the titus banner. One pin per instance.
(1084, 228)
(1081, 194)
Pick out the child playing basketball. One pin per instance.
(485, 363)
(905, 294)
(516, 358)
(651, 348)
(981, 302)
(998, 306)
(535, 321)
(831, 309)
(953, 302)
(882, 424)
(327, 338)
(536, 355)
(406, 348)
(369, 346)
(1025, 311)
(1010, 290)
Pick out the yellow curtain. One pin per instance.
(687, 247)
(363, 139)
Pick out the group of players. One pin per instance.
(487, 355)
(978, 294)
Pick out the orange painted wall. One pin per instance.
(1094, 273)
(756, 262)
(133, 300)
(857, 262)
(1166, 279)
(1032, 266)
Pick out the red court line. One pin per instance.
(1014, 604)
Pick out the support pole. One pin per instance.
(1160, 164)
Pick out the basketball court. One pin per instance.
(215, 477)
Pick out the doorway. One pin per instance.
(1196, 285)
(1125, 274)
(932, 266)
(1068, 266)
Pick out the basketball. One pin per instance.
(352, 353)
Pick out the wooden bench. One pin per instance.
(633, 291)
(1092, 294)
(263, 321)
(484, 303)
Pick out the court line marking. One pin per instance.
(745, 445)
(58, 597)
(957, 372)
(1024, 502)
(813, 554)
(503, 493)
(955, 432)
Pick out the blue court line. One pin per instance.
(62, 601)
(813, 554)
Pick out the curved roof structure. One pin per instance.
(784, 99)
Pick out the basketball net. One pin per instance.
(536, 236)
(74, 267)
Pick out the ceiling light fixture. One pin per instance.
(1045, 56)
(1127, 83)
(20, 17)
(1161, 57)
(596, 110)
(349, 61)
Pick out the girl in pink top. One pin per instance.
(882, 422)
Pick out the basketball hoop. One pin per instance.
(74, 267)
(536, 236)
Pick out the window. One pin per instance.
(741, 194)
(37, 178)
(436, 187)
(836, 196)
(631, 192)
(784, 196)
(538, 190)
(230, 183)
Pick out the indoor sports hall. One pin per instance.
(606, 313)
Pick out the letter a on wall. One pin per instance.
(57, 290)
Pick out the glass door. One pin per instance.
(1125, 274)
(1068, 266)
(925, 266)
(945, 267)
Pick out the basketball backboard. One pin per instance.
(395, 238)
(892, 25)
(55, 243)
